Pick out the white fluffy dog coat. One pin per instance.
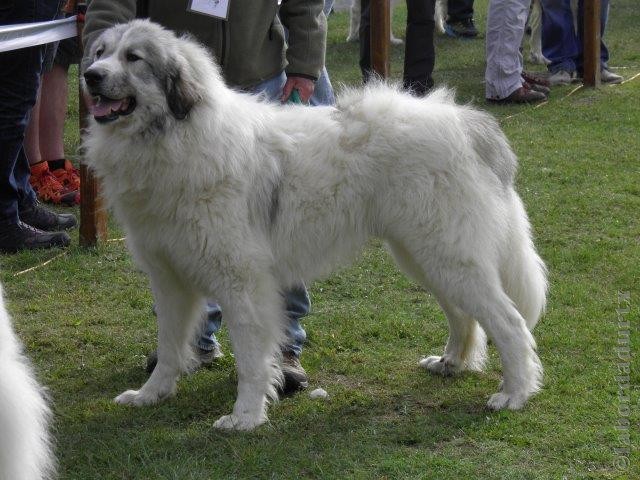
(225, 196)
(25, 452)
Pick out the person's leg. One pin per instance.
(323, 92)
(207, 341)
(419, 54)
(559, 40)
(365, 41)
(19, 78)
(505, 29)
(53, 111)
(459, 22)
(458, 10)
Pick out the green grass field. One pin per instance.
(86, 320)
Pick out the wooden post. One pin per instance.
(591, 42)
(380, 33)
(93, 217)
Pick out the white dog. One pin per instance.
(225, 196)
(25, 452)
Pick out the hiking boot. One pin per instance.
(521, 95)
(203, 357)
(294, 376)
(49, 189)
(607, 76)
(561, 77)
(39, 217)
(20, 236)
(67, 175)
(464, 28)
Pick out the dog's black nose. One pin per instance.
(93, 77)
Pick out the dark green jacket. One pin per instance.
(250, 46)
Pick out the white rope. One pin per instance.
(13, 37)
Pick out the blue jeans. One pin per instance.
(561, 44)
(322, 93)
(19, 81)
(297, 302)
(297, 305)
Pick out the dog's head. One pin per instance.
(141, 72)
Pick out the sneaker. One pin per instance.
(607, 76)
(295, 378)
(20, 236)
(68, 176)
(39, 217)
(203, 357)
(561, 77)
(521, 95)
(464, 28)
(48, 188)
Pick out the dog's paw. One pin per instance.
(440, 365)
(239, 422)
(352, 37)
(137, 398)
(396, 41)
(501, 400)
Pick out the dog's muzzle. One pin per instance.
(105, 109)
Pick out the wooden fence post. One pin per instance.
(380, 33)
(93, 216)
(591, 42)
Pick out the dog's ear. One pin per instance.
(182, 91)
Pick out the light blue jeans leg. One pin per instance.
(207, 339)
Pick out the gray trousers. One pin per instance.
(506, 21)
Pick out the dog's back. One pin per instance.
(25, 452)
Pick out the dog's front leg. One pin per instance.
(255, 322)
(178, 310)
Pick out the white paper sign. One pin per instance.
(213, 8)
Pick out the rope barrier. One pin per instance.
(23, 35)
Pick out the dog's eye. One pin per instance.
(99, 52)
(132, 57)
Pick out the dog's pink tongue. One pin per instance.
(104, 107)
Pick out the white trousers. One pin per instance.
(506, 21)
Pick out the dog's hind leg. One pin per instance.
(466, 346)
(179, 312)
(255, 319)
(478, 293)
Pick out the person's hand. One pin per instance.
(303, 85)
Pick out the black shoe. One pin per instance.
(463, 28)
(295, 378)
(418, 88)
(39, 217)
(20, 236)
(203, 357)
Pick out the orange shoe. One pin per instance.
(68, 176)
(49, 189)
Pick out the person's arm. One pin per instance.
(101, 15)
(307, 26)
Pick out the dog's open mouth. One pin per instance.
(105, 109)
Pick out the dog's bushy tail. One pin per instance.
(524, 274)
(25, 449)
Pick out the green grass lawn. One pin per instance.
(87, 324)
